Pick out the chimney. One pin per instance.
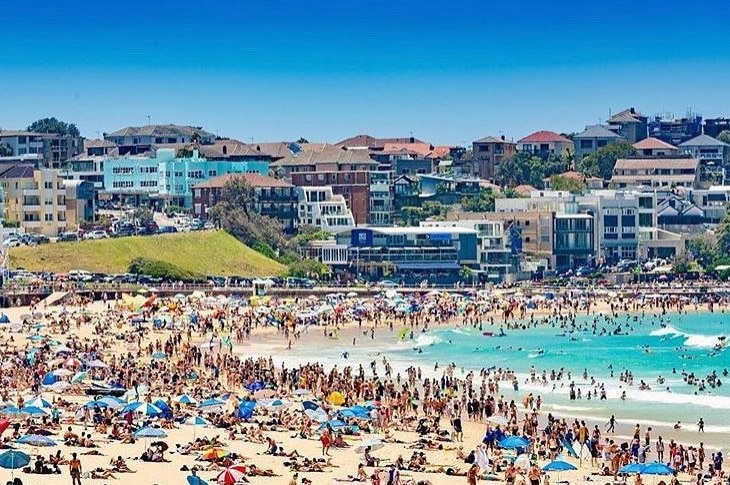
(412, 140)
(503, 138)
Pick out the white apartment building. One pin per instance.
(321, 208)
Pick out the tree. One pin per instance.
(53, 125)
(702, 250)
(522, 168)
(722, 231)
(236, 214)
(306, 234)
(308, 268)
(601, 162)
(568, 184)
(466, 273)
(483, 201)
(143, 216)
(6, 150)
(724, 136)
(681, 264)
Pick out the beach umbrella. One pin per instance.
(498, 420)
(631, 468)
(72, 362)
(310, 405)
(197, 421)
(318, 415)
(212, 402)
(10, 410)
(96, 364)
(96, 402)
(111, 401)
(657, 468)
(13, 459)
(36, 440)
(512, 442)
(149, 432)
(39, 402)
(256, 386)
(78, 377)
(214, 453)
(63, 349)
(33, 411)
(336, 398)
(159, 355)
(62, 373)
(142, 408)
(558, 466)
(185, 399)
(232, 474)
(302, 392)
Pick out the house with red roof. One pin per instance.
(545, 143)
(654, 147)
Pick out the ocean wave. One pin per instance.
(699, 340)
(425, 340)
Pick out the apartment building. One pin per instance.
(488, 153)
(655, 172)
(320, 207)
(36, 198)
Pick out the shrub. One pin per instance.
(162, 269)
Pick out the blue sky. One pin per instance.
(446, 71)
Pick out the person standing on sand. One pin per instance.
(74, 467)
(611, 424)
(701, 426)
(660, 450)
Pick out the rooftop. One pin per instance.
(161, 130)
(652, 143)
(294, 154)
(704, 141)
(494, 139)
(17, 172)
(252, 179)
(598, 131)
(93, 143)
(654, 163)
(627, 115)
(544, 136)
(368, 141)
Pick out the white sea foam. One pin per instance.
(699, 341)
(424, 340)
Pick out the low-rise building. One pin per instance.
(545, 143)
(489, 153)
(321, 208)
(36, 198)
(137, 140)
(593, 138)
(629, 124)
(411, 254)
(654, 147)
(714, 156)
(54, 148)
(273, 198)
(655, 172)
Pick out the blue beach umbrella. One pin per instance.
(195, 480)
(159, 355)
(39, 402)
(96, 402)
(657, 468)
(558, 466)
(32, 411)
(14, 459)
(185, 399)
(36, 440)
(512, 442)
(310, 405)
(212, 402)
(150, 433)
(631, 468)
(197, 421)
(111, 401)
(142, 408)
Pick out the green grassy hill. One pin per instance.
(204, 252)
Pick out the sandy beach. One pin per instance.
(160, 361)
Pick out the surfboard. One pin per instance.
(569, 448)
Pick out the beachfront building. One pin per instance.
(411, 255)
(447, 189)
(593, 138)
(655, 172)
(713, 201)
(629, 124)
(617, 223)
(35, 198)
(675, 130)
(488, 153)
(545, 143)
(165, 179)
(80, 202)
(136, 140)
(320, 207)
(272, 197)
(573, 240)
(498, 257)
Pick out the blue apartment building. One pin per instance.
(166, 179)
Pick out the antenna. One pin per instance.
(149, 120)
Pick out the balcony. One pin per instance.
(31, 193)
(31, 207)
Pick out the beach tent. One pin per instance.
(4, 318)
(49, 379)
(336, 398)
(166, 411)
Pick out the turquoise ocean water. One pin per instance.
(649, 347)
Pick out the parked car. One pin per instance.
(167, 230)
(12, 242)
(96, 234)
(79, 275)
(68, 237)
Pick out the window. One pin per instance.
(586, 144)
(48, 217)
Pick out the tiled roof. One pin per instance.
(253, 179)
(161, 130)
(423, 149)
(703, 141)
(544, 137)
(13, 133)
(91, 143)
(652, 143)
(318, 153)
(627, 115)
(598, 131)
(373, 142)
(17, 172)
(524, 189)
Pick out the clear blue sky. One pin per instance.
(448, 71)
